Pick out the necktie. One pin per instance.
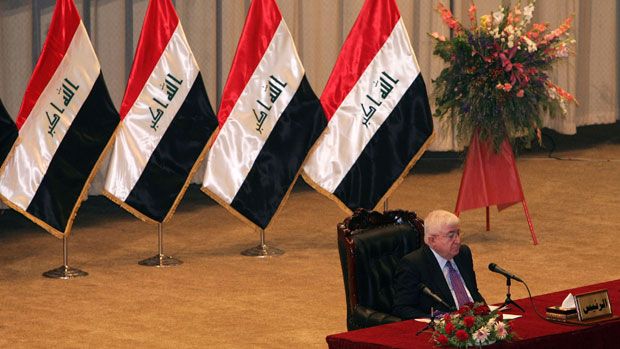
(457, 285)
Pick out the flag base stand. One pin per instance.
(160, 260)
(491, 178)
(64, 271)
(262, 250)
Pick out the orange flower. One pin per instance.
(520, 93)
(472, 15)
(537, 29)
(563, 28)
(448, 18)
(511, 19)
(561, 92)
(540, 27)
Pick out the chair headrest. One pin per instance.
(365, 219)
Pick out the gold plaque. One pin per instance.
(593, 305)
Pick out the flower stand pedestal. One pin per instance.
(491, 178)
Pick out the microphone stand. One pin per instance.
(508, 299)
(430, 325)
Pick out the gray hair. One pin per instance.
(438, 220)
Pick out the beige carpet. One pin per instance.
(220, 299)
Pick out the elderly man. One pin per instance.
(442, 264)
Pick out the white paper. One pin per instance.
(509, 317)
(491, 307)
(569, 301)
(423, 319)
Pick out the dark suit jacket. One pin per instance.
(421, 266)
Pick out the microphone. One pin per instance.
(427, 291)
(496, 269)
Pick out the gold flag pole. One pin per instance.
(262, 250)
(160, 260)
(64, 271)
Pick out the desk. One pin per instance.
(533, 331)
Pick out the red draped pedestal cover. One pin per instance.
(491, 178)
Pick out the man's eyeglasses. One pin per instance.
(452, 234)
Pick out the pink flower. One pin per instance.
(481, 335)
(500, 329)
(562, 50)
(520, 93)
(507, 87)
(506, 63)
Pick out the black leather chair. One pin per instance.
(371, 244)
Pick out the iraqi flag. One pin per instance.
(65, 123)
(167, 121)
(269, 118)
(8, 133)
(380, 121)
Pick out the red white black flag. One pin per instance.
(167, 121)
(8, 133)
(269, 118)
(380, 121)
(65, 123)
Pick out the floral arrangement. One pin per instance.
(496, 81)
(472, 325)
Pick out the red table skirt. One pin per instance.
(533, 332)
